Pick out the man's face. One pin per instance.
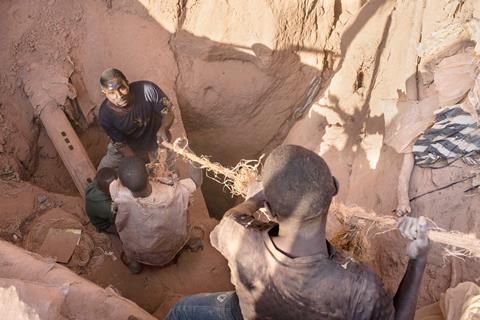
(117, 92)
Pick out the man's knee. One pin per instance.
(111, 159)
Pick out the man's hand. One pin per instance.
(403, 208)
(255, 192)
(415, 229)
(163, 135)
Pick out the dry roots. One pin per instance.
(236, 179)
(358, 224)
(158, 169)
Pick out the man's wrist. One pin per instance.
(419, 261)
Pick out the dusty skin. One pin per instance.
(240, 92)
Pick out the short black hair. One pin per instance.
(132, 173)
(104, 177)
(297, 182)
(110, 74)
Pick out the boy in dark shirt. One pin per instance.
(98, 203)
(136, 116)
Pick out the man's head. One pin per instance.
(104, 177)
(297, 183)
(115, 87)
(133, 174)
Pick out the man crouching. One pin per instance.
(151, 216)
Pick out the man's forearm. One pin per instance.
(405, 300)
(249, 207)
(404, 177)
(125, 150)
(196, 175)
(167, 120)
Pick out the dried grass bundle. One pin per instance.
(359, 223)
(236, 179)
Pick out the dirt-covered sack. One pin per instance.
(455, 76)
(406, 120)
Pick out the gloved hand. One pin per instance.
(415, 229)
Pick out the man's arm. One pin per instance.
(163, 133)
(195, 174)
(403, 207)
(405, 299)
(249, 206)
(255, 200)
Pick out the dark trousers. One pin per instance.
(207, 306)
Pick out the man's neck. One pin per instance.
(143, 193)
(297, 239)
(120, 109)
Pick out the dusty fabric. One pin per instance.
(98, 206)
(406, 120)
(455, 134)
(153, 229)
(454, 76)
(455, 81)
(270, 285)
(459, 303)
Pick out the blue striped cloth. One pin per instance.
(455, 134)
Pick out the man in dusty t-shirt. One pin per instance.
(136, 116)
(288, 270)
(151, 215)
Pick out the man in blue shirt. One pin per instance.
(136, 116)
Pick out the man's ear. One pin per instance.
(336, 184)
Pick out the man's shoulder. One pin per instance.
(148, 90)
(368, 290)
(359, 271)
(232, 233)
(144, 86)
(119, 193)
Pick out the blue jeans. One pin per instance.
(207, 306)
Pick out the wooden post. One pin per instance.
(68, 146)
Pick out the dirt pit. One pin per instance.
(304, 72)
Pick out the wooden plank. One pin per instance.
(60, 244)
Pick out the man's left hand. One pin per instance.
(415, 229)
(163, 135)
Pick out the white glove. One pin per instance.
(415, 229)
